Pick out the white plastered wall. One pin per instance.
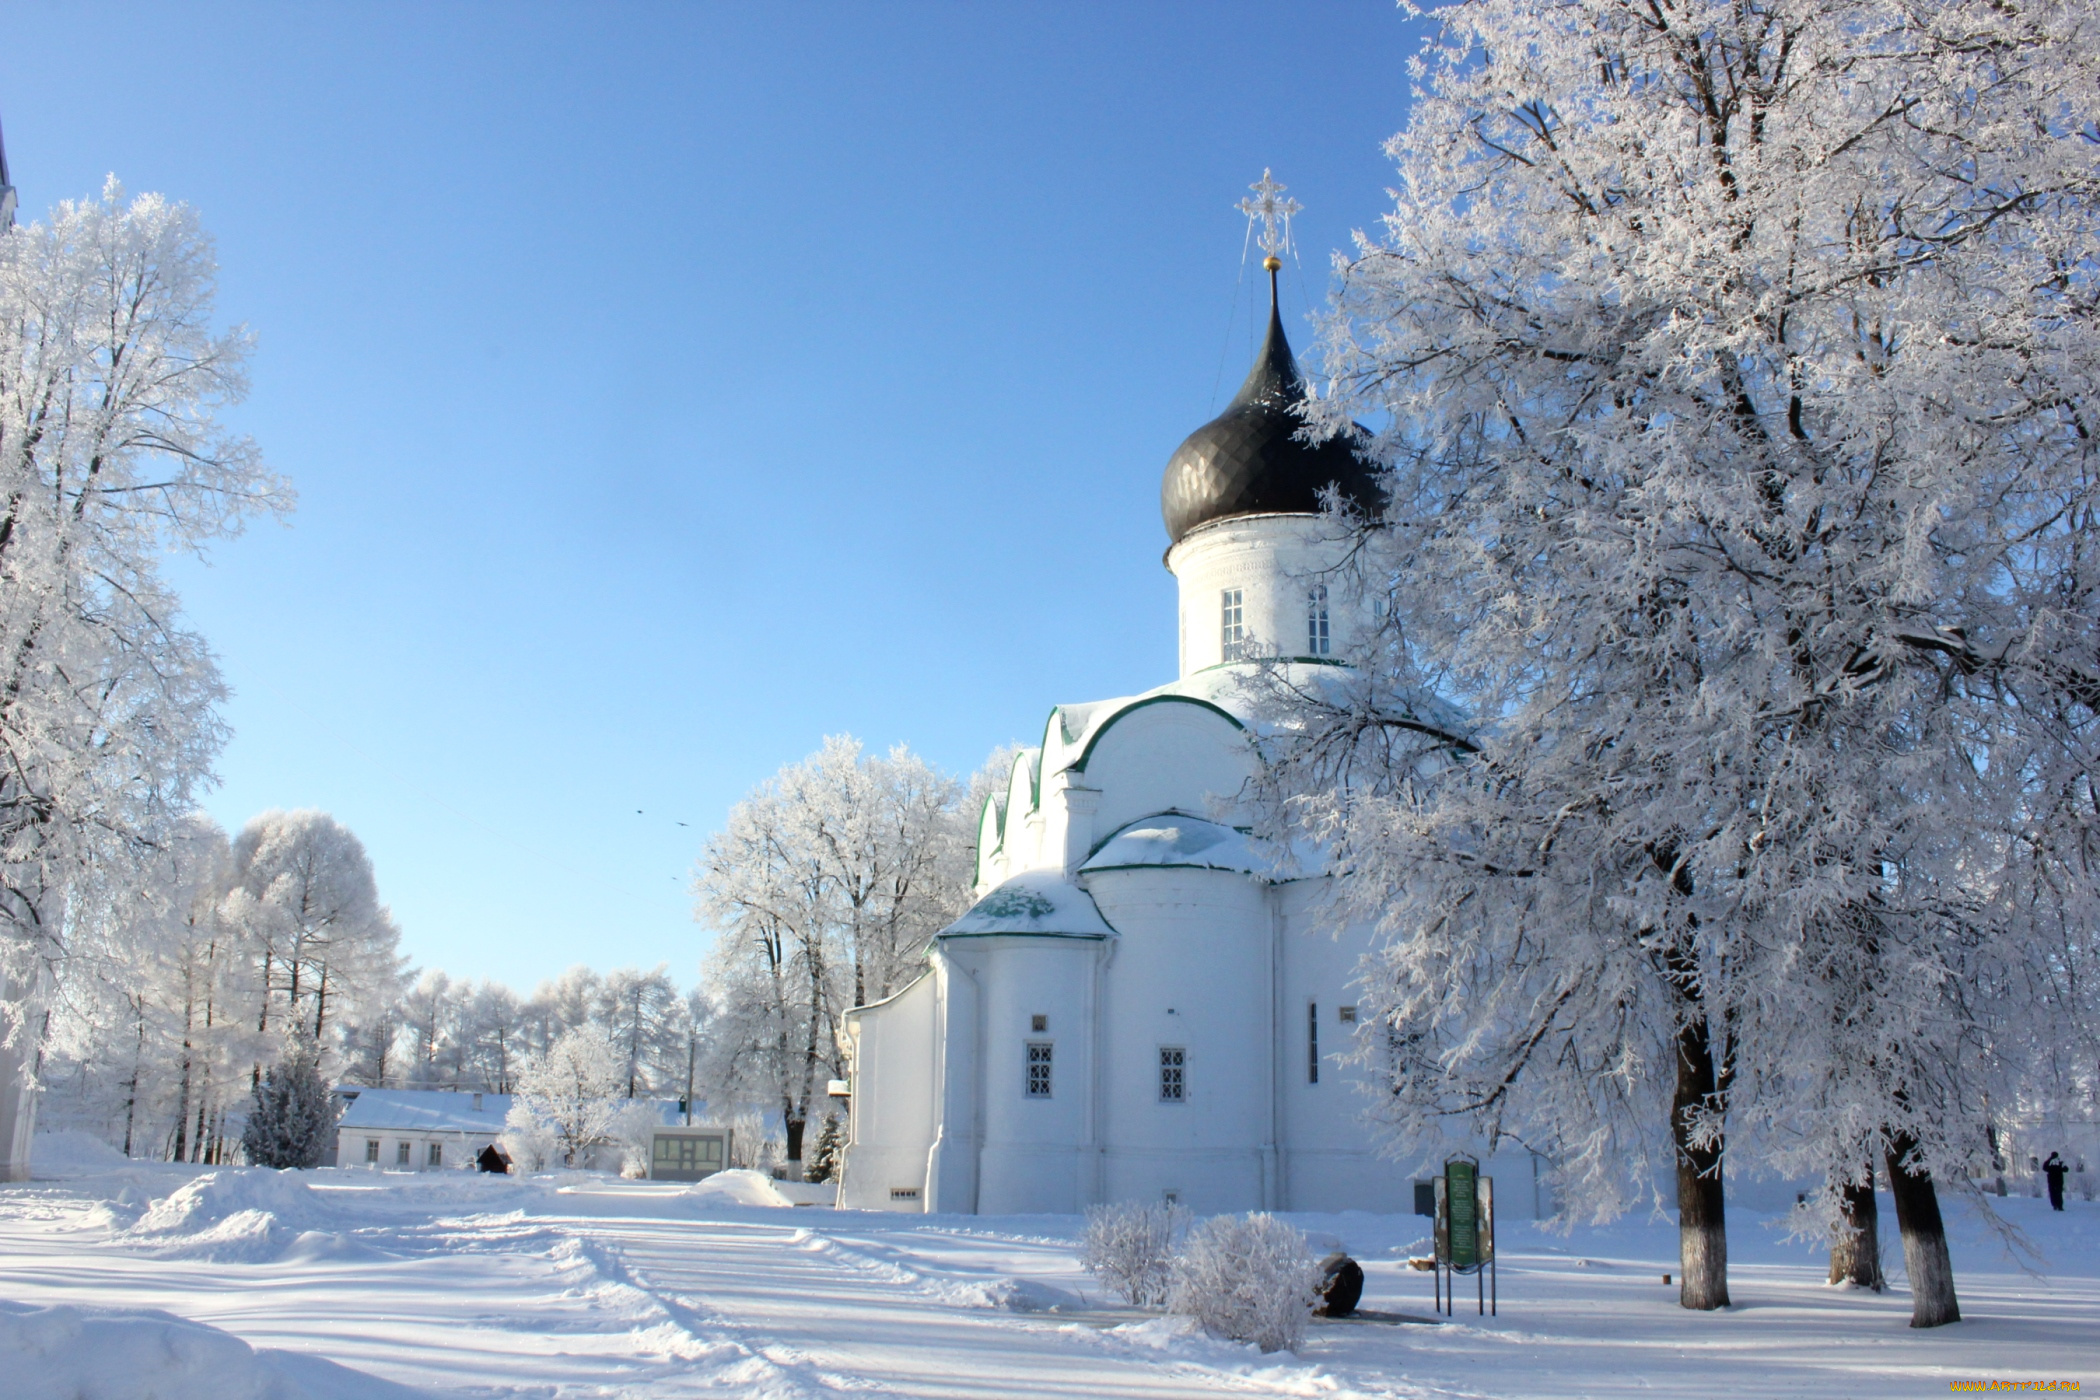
(1274, 560)
(1192, 971)
(896, 1076)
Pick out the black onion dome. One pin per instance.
(1249, 460)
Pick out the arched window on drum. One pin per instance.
(1318, 640)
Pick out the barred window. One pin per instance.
(1317, 641)
(1173, 1074)
(1232, 629)
(1038, 1069)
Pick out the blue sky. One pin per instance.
(669, 386)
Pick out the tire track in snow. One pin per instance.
(728, 1356)
(853, 1320)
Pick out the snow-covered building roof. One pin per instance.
(1036, 902)
(425, 1111)
(1175, 839)
(445, 1111)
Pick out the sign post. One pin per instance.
(1465, 1234)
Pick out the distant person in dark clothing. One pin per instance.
(2053, 1169)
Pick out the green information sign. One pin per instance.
(1465, 1225)
(1464, 1198)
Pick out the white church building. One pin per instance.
(1140, 1004)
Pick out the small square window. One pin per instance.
(1348, 1014)
(372, 1151)
(1173, 1074)
(1039, 1023)
(1038, 1069)
(437, 1155)
(401, 1154)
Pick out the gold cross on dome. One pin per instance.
(1272, 212)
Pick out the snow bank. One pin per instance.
(72, 1154)
(739, 1187)
(1016, 1295)
(237, 1214)
(68, 1353)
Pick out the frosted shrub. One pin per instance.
(633, 1132)
(1130, 1248)
(1249, 1278)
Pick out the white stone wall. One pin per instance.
(1191, 970)
(1273, 560)
(896, 1076)
(459, 1151)
(1035, 1154)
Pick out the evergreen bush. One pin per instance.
(292, 1117)
(824, 1165)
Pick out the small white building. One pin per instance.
(1142, 1004)
(417, 1129)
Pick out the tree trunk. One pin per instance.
(181, 1146)
(1702, 1231)
(1925, 1255)
(1855, 1246)
(795, 1126)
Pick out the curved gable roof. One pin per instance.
(1036, 903)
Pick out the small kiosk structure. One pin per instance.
(1465, 1234)
(687, 1153)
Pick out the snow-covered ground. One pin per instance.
(126, 1280)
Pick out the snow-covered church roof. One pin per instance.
(1175, 839)
(1036, 902)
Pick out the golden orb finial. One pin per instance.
(1271, 262)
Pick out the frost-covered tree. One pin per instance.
(291, 1117)
(826, 885)
(570, 1097)
(491, 1037)
(644, 1015)
(569, 1001)
(146, 1043)
(112, 452)
(305, 894)
(1735, 366)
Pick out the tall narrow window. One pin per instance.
(372, 1151)
(1312, 1042)
(437, 1154)
(401, 1154)
(1317, 642)
(1232, 629)
(1038, 1069)
(1173, 1074)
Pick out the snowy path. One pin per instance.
(589, 1289)
(833, 1316)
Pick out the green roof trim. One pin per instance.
(1082, 937)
